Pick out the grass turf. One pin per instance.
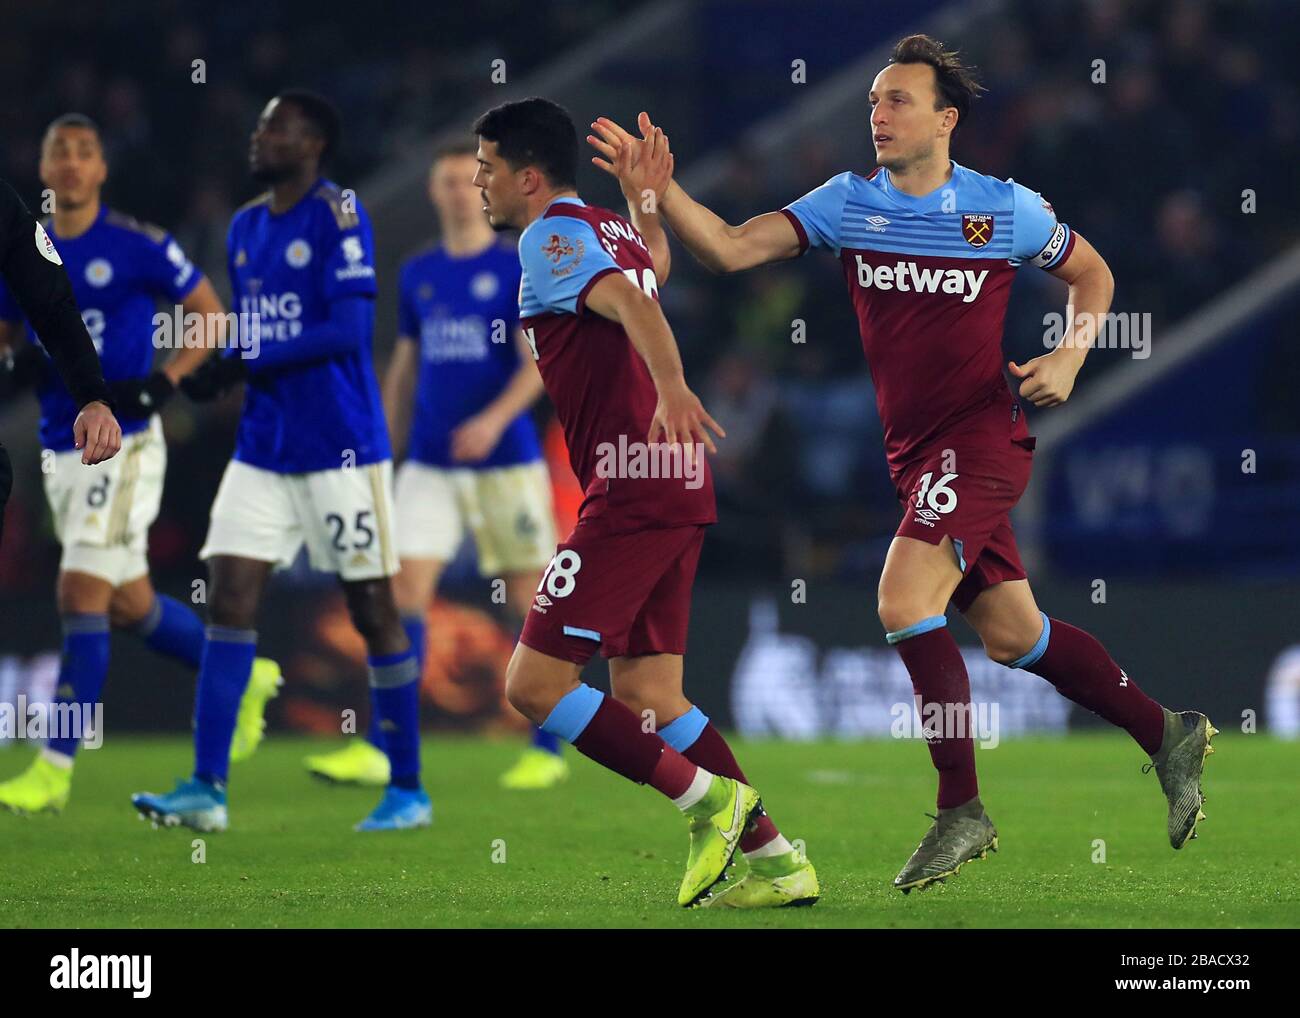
(599, 852)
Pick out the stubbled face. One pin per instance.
(72, 165)
(454, 191)
(281, 142)
(905, 127)
(500, 188)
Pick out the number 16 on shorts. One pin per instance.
(937, 498)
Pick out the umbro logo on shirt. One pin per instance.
(877, 224)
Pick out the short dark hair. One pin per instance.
(534, 132)
(320, 113)
(75, 120)
(463, 147)
(955, 83)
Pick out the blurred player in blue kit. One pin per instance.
(312, 463)
(458, 389)
(119, 269)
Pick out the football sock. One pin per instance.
(374, 730)
(173, 629)
(694, 736)
(224, 671)
(601, 728)
(395, 702)
(1077, 664)
(82, 671)
(415, 632)
(545, 741)
(939, 677)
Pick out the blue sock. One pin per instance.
(414, 626)
(375, 730)
(546, 741)
(81, 675)
(171, 628)
(224, 671)
(415, 632)
(395, 701)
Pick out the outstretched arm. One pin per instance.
(719, 246)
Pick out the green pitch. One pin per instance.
(600, 852)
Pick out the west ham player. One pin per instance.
(457, 392)
(929, 249)
(621, 582)
(311, 461)
(119, 269)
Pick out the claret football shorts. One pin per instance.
(625, 595)
(967, 492)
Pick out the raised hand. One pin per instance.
(643, 166)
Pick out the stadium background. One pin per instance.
(1139, 481)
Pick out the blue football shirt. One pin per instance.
(120, 269)
(286, 269)
(462, 313)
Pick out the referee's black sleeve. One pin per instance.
(44, 292)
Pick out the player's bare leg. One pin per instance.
(651, 687)
(542, 764)
(394, 700)
(918, 580)
(547, 691)
(1016, 633)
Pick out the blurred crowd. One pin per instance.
(1142, 121)
(176, 86)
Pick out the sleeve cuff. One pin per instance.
(1061, 258)
(581, 303)
(798, 228)
(94, 394)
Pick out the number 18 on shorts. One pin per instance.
(625, 595)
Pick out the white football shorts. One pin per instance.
(507, 509)
(343, 515)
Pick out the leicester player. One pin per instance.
(311, 460)
(119, 269)
(929, 249)
(32, 269)
(621, 582)
(457, 392)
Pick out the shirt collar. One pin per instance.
(923, 200)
